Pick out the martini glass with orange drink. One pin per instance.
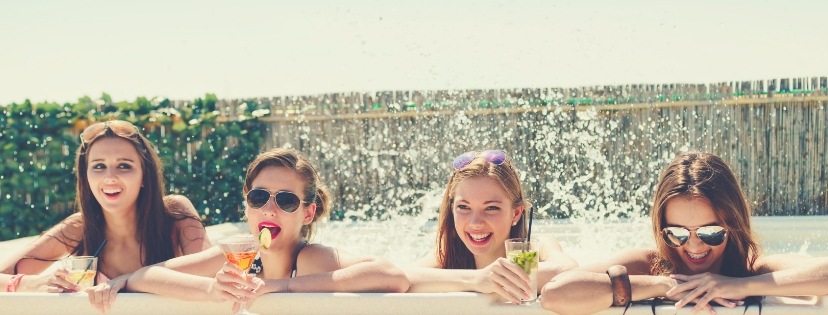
(241, 251)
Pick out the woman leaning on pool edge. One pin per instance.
(483, 205)
(706, 250)
(283, 193)
(120, 198)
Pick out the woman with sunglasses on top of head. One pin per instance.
(706, 251)
(482, 207)
(283, 194)
(120, 195)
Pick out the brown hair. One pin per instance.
(315, 190)
(155, 218)
(451, 252)
(704, 175)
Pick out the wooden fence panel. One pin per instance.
(592, 151)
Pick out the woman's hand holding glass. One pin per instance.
(704, 288)
(230, 285)
(505, 278)
(51, 282)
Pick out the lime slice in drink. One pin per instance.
(264, 238)
(526, 260)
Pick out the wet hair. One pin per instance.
(155, 214)
(704, 175)
(315, 191)
(452, 253)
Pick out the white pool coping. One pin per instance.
(341, 303)
(355, 303)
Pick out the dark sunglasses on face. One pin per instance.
(676, 236)
(285, 200)
(119, 127)
(495, 157)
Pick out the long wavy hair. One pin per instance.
(315, 190)
(704, 175)
(155, 218)
(452, 253)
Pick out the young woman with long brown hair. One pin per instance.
(121, 200)
(706, 250)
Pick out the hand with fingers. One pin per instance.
(231, 286)
(505, 278)
(56, 282)
(103, 295)
(703, 288)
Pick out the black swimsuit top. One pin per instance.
(257, 266)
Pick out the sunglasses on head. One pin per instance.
(118, 127)
(285, 200)
(495, 157)
(676, 236)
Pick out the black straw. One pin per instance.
(529, 233)
(89, 265)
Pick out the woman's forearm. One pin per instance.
(367, 276)
(549, 269)
(810, 279)
(440, 280)
(166, 282)
(584, 292)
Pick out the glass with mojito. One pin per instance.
(524, 253)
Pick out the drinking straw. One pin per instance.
(529, 233)
(89, 265)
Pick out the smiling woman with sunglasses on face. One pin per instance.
(120, 195)
(483, 206)
(706, 251)
(283, 194)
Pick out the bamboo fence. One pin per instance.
(589, 151)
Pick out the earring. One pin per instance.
(514, 223)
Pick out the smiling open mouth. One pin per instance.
(479, 238)
(112, 192)
(698, 258)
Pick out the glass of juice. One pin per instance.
(524, 253)
(241, 251)
(82, 270)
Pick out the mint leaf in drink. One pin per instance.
(526, 260)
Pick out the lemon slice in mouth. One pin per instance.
(264, 238)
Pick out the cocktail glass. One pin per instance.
(524, 253)
(241, 251)
(82, 270)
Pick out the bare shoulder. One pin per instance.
(550, 243)
(189, 231)
(771, 263)
(53, 244)
(178, 204)
(69, 231)
(317, 258)
(428, 261)
(639, 261)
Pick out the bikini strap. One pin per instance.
(296, 257)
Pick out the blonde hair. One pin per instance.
(451, 252)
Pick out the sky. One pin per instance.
(58, 50)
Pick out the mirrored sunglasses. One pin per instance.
(285, 200)
(495, 157)
(676, 236)
(120, 128)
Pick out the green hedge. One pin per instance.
(203, 159)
